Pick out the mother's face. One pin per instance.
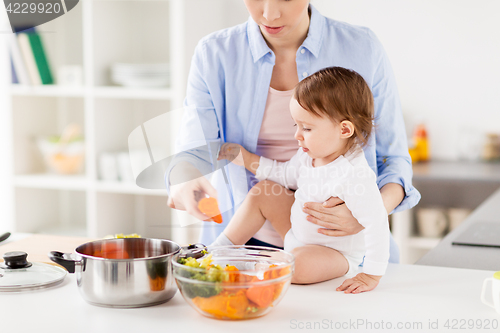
(278, 18)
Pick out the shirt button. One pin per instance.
(304, 74)
(302, 51)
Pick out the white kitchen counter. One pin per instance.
(420, 298)
(476, 257)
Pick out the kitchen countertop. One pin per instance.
(420, 298)
(457, 170)
(446, 254)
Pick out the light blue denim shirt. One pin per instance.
(227, 90)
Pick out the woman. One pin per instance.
(239, 87)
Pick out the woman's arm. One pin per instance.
(392, 195)
(393, 159)
(199, 132)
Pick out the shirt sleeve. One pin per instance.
(283, 173)
(393, 159)
(362, 196)
(199, 134)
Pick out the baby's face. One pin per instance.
(319, 137)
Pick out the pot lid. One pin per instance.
(17, 274)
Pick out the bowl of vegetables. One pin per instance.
(234, 282)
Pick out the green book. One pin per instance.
(40, 57)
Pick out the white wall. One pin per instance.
(446, 56)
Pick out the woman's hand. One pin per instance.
(190, 186)
(334, 216)
(238, 155)
(232, 152)
(360, 283)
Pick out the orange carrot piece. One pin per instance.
(233, 274)
(210, 208)
(261, 296)
(224, 305)
(112, 251)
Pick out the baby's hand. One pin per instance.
(360, 283)
(232, 152)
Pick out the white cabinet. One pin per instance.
(94, 35)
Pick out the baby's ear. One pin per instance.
(346, 129)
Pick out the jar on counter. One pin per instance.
(491, 148)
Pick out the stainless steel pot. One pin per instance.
(124, 273)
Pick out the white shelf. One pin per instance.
(81, 183)
(126, 188)
(423, 242)
(102, 92)
(47, 91)
(133, 93)
(99, 34)
(49, 181)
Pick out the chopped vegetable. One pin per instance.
(111, 250)
(262, 296)
(157, 284)
(127, 236)
(210, 208)
(225, 305)
(212, 273)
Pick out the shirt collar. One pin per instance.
(315, 33)
(259, 47)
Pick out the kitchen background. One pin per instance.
(445, 55)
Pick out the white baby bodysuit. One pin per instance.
(351, 179)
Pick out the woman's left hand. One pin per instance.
(334, 216)
(232, 152)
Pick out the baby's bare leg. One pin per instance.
(316, 263)
(266, 200)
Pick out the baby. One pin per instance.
(333, 112)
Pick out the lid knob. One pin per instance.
(16, 259)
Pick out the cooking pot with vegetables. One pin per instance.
(123, 273)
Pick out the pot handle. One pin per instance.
(59, 258)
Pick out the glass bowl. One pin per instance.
(237, 282)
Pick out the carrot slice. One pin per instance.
(261, 296)
(112, 251)
(224, 305)
(210, 208)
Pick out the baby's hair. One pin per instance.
(340, 94)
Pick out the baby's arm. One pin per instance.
(363, 199)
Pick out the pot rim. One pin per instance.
(88, 256)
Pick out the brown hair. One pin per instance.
(341, 94)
